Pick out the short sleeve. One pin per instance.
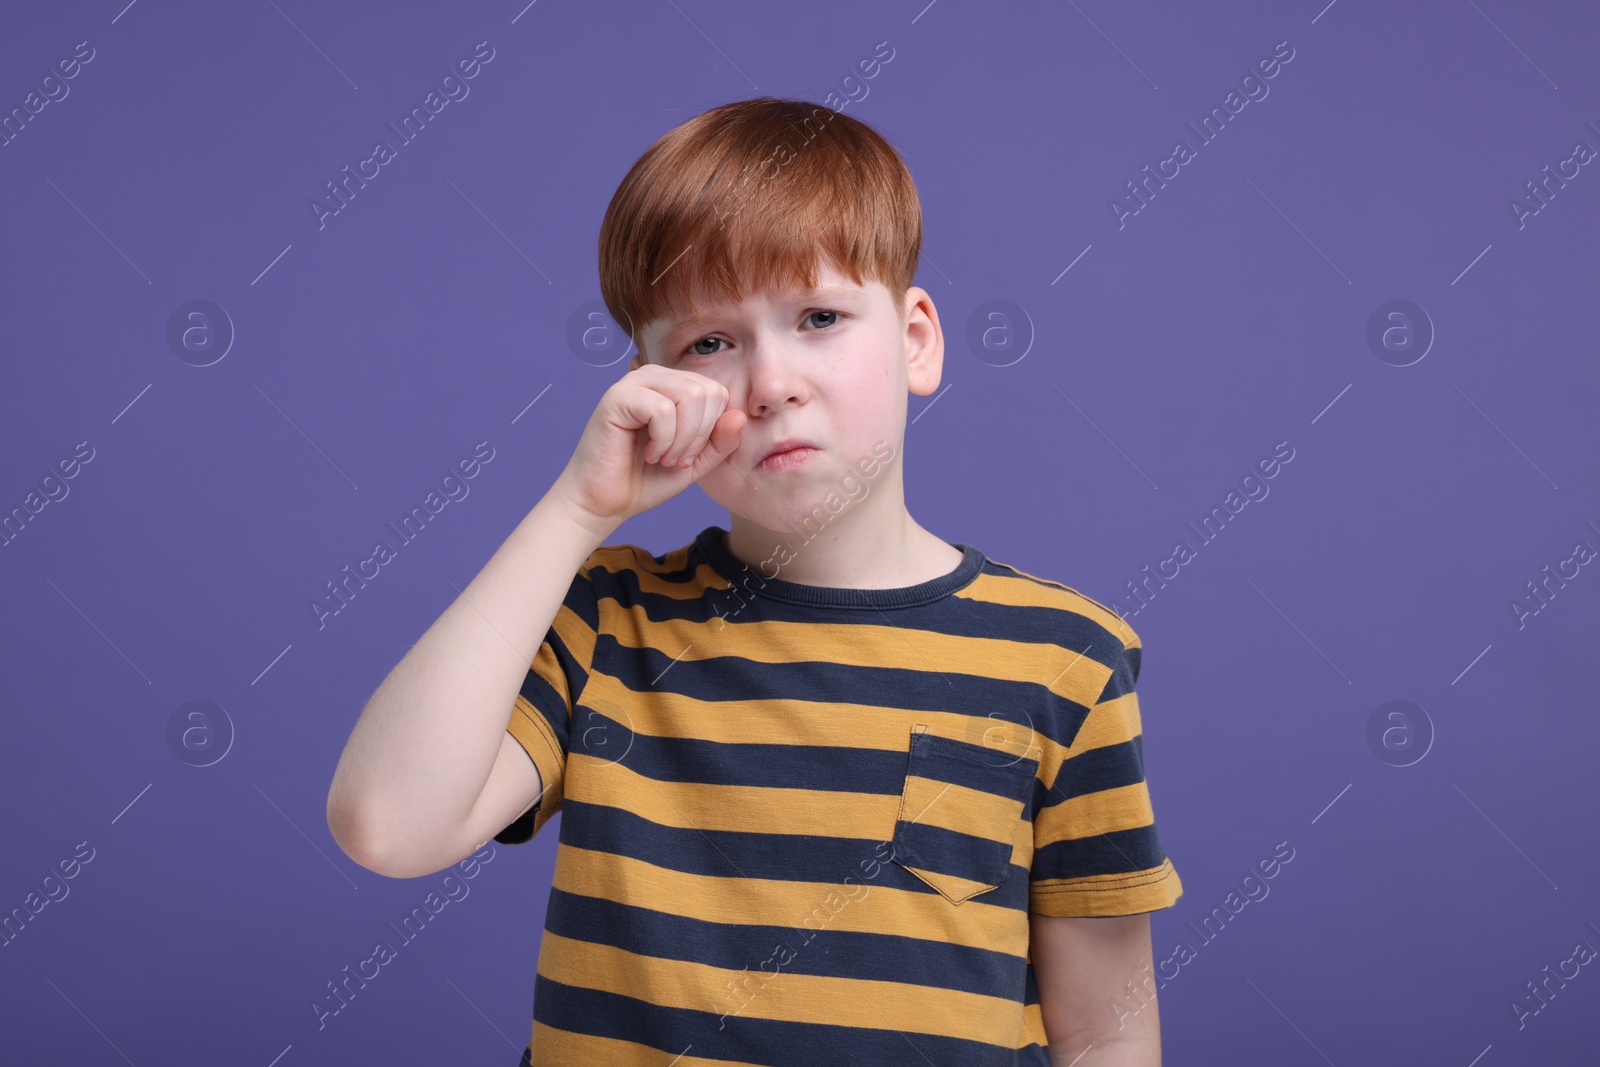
(541, 716)
(1096, 848)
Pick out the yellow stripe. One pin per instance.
(1027, 590)
(1122, 808)
(1004, 737)
(1111, 723)
(745, 808)
(1033, 1030)
(823, 724)
(580, 641)
(563, 1048)
(576, 634)
(532, 731)
(794, 812)
(1075, 676)
(786, 996)
(616, 559)
(1110, 894)
(648, 573)
(1032, 591)
(956, 807)
(863, 906)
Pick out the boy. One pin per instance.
(835, 791)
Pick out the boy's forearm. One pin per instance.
(1080, 964)
(1135, 1053)
(419, 755)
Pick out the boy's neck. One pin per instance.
(855, 550)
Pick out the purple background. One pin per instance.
(370, 354)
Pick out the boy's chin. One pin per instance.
(786, 515)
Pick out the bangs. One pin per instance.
(752, 196)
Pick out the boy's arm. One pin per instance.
(429, 772)
(1084, 967)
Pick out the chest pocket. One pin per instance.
(960, 810)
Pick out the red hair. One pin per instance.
(754, 195)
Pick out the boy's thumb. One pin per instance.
(724, 439)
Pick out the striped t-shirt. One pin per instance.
(806, 825)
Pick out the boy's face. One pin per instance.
(831, 368)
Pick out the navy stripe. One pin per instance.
(623, 585)
(520, 831)
(775, 1043)
(1113, 852)
(733, 853)
(580, 599)
(549, 703)
(1042, 624)
(810, 950)
(969, 764)
(735, 678)
(678, 759)
(933, 848)
(1106, 767)
(1124, 675)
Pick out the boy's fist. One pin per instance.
(654, 432)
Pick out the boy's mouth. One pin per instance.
(790, 452)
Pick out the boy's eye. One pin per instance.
(694, 348)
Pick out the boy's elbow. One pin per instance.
(348, 833)
(365, 850)
(356, 836)
(367, 846)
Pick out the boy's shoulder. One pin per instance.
(619, 557)
(1013, 585)
(630, 574)
(613, 557)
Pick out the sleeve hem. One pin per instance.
(538, 740)
(1107, 895)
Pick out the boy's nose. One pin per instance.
(772, 380)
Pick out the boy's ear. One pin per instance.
(924, 343)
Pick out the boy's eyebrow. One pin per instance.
(798, 296)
